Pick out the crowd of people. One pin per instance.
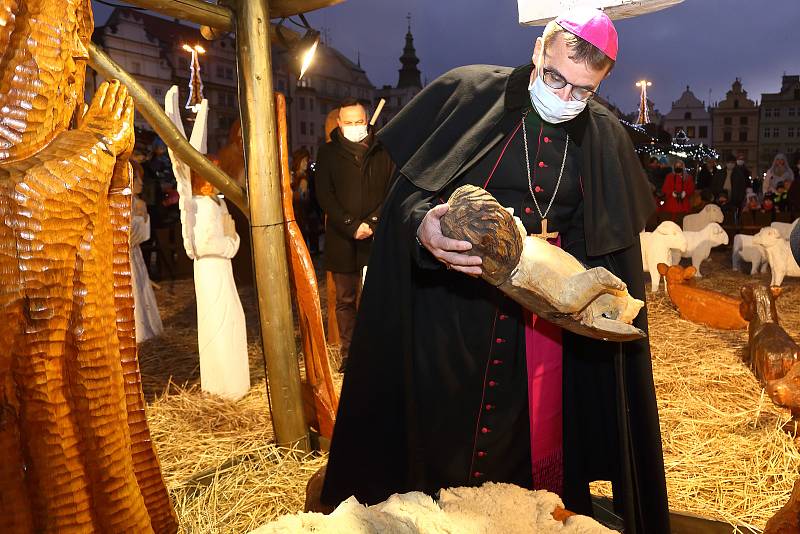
(681, 187)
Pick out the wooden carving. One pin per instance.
(539, 276)
(785, 392)
(770, 351)
(698, 305)
(76, 451)
(319, 391)
(787, 519)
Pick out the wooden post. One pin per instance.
(257, 107)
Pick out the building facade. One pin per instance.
(689, 114)
(779, 124)
(735, 125)
(151, 49)
(330, 79)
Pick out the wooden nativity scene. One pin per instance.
(89, 444)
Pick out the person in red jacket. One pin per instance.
(677, 188)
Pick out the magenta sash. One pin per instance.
(544, 354)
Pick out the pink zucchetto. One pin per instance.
(594, 26)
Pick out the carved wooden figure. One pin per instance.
(210, 240)
(779, 255)
(75, 447)
(698, 305)
(319, 391)
(785, 392)
(541, 277)
(699, 245)
(787, 519)
(745, 250)
(694, 222)
(770, 351)
(658, 247)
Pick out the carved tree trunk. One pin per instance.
(319, 378)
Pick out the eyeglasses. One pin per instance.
(554, 80)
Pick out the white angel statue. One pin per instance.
(211, 241)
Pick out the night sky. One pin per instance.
(701, 43)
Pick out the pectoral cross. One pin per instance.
(545, 234)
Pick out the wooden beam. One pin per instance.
(259, 131)
(153, 112)
(219, 17)
(197, 11)
(287, 8)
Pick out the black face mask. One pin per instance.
(679, 169)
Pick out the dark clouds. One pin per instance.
(701, 43)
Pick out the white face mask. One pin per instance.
(549, 106)
(740, 162)
(355, 133)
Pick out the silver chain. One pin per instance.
(528, 169)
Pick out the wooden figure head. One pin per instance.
(44, 46)
(758, 303)
(476, 216)
(675, 274)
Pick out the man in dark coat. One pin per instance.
(437, 393)
(352, 177)
(734, 181)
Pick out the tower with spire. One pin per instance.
(409, 73)
(409, 81)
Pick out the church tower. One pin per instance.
(409, 73)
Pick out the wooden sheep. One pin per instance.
(779, 255)
(770, 351)
(785, 228)
(699, 245)
(703, 306)
(695, 222)
(745, 250)
(657, 247)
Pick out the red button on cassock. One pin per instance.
(546, 139)
(477, 474)
(492, 383)
(528, 211)
(497, 362)
(489, 407)
(481, 454)
(538, 189)
(503, 317)
(542, 164)
(484, 430)
(500, 340)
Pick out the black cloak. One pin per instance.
(610, 418)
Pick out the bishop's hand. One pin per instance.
(446, 250)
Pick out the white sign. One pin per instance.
(540, 12)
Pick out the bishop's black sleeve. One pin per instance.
(412, 205)
(344, 222)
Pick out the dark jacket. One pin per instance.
(740, 179)
(352, 180)
(611, 429)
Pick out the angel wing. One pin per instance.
(183, 174)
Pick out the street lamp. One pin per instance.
(301, 51)
(644, 117)
(195, 82)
